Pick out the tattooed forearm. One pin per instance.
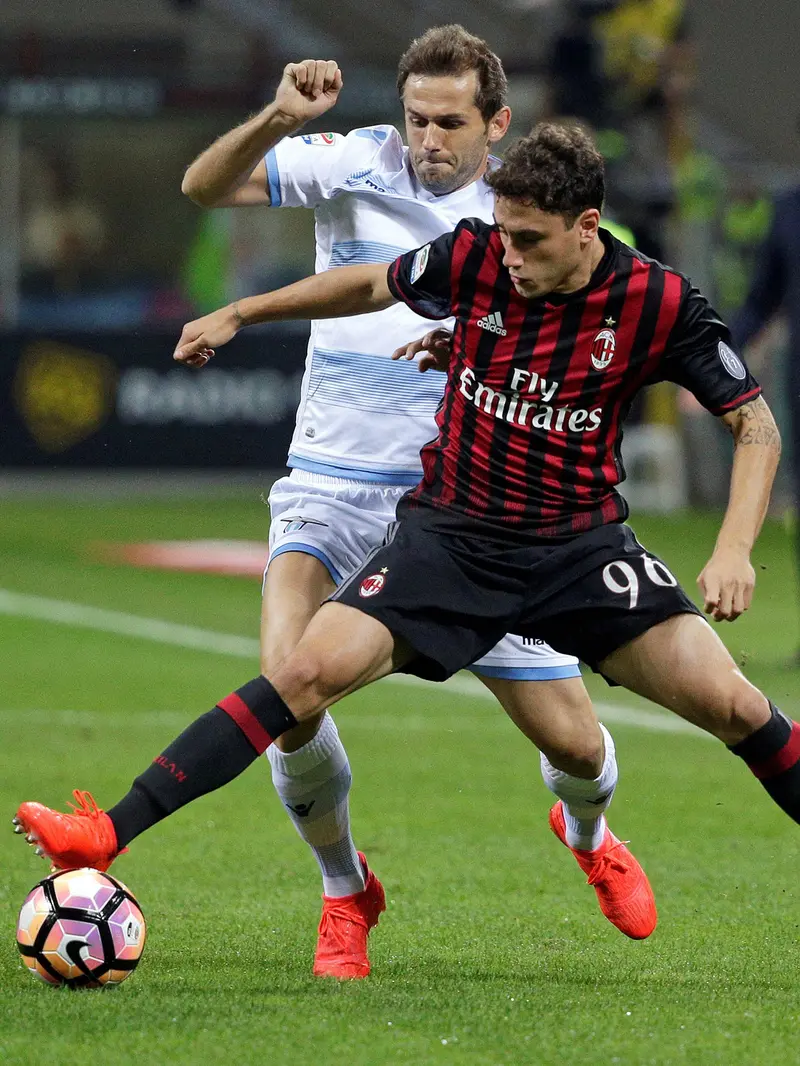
(757, 448)
(753, 424)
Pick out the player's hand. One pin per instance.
(727, 582)
(199, 338)
(308, 89)
(437, 349)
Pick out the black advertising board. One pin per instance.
(119, 400)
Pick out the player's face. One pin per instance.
(542, 252)
(448, 138)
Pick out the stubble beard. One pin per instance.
(451, 179)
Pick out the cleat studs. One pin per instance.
(30, 838)
(39, 851)
(18, 829)
(15, 821)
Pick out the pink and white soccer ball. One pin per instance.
(81, 928)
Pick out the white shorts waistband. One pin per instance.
(308, 477)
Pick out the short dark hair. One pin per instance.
(451, 50)
(555, 168)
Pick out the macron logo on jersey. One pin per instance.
(494, 323)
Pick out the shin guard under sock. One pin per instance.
(773, 755)
(313, 783)
(209, 753)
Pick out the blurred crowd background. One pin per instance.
(694, 104)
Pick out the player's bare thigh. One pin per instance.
(557, 716)
(295, 585)
(684, 666)
(341, 651)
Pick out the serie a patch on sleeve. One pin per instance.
(319, 138)
(418, 264)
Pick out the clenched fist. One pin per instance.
(308, 89)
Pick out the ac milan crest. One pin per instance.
(603, 347)
(372, 585)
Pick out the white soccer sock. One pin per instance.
(584, 799)
(314, 786)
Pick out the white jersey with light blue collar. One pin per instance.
(362, 416)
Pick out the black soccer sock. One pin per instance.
(213, 750)
(773, 755)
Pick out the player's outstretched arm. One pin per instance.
(728, 579)
(336, 293)
(232, 172)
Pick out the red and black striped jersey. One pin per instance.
(531, 420)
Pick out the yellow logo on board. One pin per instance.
(63, 394)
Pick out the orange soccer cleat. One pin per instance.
(344, 928)
(85, 837)
(622, 888)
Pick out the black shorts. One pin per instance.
(453, 596)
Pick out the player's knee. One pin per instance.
(740, 710)
(304, 682)
(749, 711)
(577, 752)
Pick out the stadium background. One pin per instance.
(492, 950)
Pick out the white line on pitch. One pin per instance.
(126, 625)
(63, 612)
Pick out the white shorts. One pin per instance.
(340, 521)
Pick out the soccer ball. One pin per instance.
(81, 928)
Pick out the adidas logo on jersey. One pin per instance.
(494, 323)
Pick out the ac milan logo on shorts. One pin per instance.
(603, 347)
(372, 585)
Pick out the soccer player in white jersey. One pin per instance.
(361, 423)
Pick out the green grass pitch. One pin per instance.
(492, 950)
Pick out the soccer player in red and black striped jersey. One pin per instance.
(517, 525)
(542, 381)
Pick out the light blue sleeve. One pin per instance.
(273, 179)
